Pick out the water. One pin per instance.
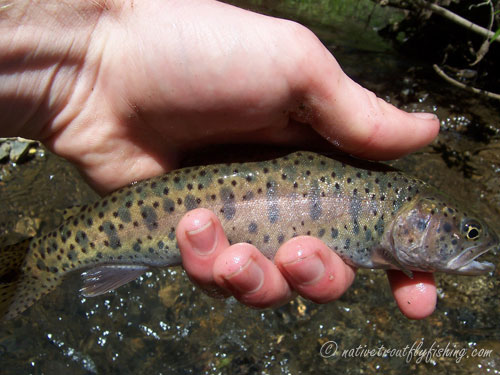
(160, 324)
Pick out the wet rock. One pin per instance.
(20, 149)
(4, 150)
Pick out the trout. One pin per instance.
(371, 217)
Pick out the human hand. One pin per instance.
(154, 80)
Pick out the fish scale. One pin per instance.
(367, 216)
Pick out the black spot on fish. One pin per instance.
(110, 231)
(229, 207)
(71, 254)
(335, 232)
(281, 238)
(248, 196)
(252, 227)
(136, 247)
(40, 265)
(266, 238)
(354, 210)
(150, 218)
(347, 243)
(447, 227)
(321, 232)
(168, 205)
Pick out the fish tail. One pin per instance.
(11, 260)
(20, 286)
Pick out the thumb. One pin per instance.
(354, 118)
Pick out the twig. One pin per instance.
(454, 82)
(460, 20)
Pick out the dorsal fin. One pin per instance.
(102, 279)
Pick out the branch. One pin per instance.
(454, 82)
(459, 20)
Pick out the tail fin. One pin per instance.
(20, 284)
(11, 260)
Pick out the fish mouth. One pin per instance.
(465, 263)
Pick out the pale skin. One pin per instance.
(123, 89)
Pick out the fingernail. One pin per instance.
(203, 240)
(248, 279)
(305, 271)
(424, 115)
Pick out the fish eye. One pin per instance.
(472, 230)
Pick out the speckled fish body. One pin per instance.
(372, 219)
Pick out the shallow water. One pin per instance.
(160, 324)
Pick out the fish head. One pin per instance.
(435, 234)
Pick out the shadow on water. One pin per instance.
(160, 324)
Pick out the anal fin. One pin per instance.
(102, 279)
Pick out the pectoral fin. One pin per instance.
(384, 259)
(102, 279)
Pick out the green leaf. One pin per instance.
(497, 33)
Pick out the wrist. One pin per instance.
(43, 48)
